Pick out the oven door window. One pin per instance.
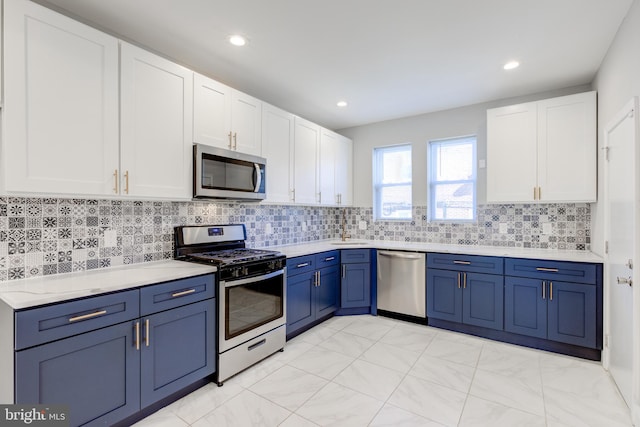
(253, 304)
(228, 174)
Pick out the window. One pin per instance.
(452, 179)
(392, 182)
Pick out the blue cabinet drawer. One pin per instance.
(327, 259)
(349, 256)
(467, 263)
(301, 264)
(50, 323)
(551, 270)
(156, 298)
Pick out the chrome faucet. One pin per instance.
(343, 235)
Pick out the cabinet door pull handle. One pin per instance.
(344, 270)
(235, 140)
(318, 278)
(137, 335)
(539, 193)
(544, 289)
(459, 280)
(548, 270)
(115, 177)
(535, 193)
(146, 332)
(331, 258)
(230, 143)
(465, 281)
(126, 182)
(87, 316)
(183, 293)
(304, 264)
(462, 262)
(550, 291)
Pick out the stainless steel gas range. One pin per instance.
(251, 293)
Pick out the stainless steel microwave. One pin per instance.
(225, 174)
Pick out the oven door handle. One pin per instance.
(233, 283)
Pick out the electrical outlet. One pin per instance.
(304, 225)
(362, 225)
(110, 238)
(547, 228)
(503, 227)
(268, 229)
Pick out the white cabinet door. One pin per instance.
(211, 112)
(567, 148)
(344, 171)
(246, 120)
(61, 103)
(156, 110)
(511, 153)
(305, 166)
(327, 169)
(277, 146)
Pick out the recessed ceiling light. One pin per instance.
(511, 65)
(342, 104)
(237, 40)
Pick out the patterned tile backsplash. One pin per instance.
(44, 236)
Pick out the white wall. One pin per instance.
(418, 130)
(617, 81)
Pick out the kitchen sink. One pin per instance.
(348, 242)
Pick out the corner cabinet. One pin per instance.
(313, 290)
(554, 142)
(156, 139)
(355, 273)
(105, 361)
(226, 118)
(60, 112)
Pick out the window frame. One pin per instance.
(432, 179)
(378, 185)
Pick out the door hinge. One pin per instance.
(606, 247)
(606, 153)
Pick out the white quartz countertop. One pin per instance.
(26, 293)
(546, 254)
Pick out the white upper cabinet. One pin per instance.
(305, 166)
(156, 138)
(543, 151)
(336, 179)
(277, 147)
(61, 104)
(226, 118)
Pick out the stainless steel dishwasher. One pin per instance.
(401, 283)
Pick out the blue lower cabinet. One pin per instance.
(525, 307)
(444, 295)
(571, 313)
(327, 291)
(300, 301)
(355, 285)
(483, 300)
(97, 374)
(178, 349)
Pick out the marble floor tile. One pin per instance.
(461, 351)
(508, 359)
(288, 387)
(391, 357)
(295, 420)
(255, 373)
(368, 329)
(520, 391)
(391, 416)
(347, 344)
(162, 418)
(245, 409)
(292, 350)
(316, 335)
(336, 405)
(573, 410)
(340, 322)
(202, 401)
(407, 339)
(370, 379)
(321, 362)
(432, 401)
(443, 372)
(480, 413)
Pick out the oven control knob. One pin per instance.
(235, 272)
(245, 271)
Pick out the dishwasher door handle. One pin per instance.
(404, 255)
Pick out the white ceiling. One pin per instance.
(387, 58)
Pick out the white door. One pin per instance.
(305, 165)
(246, 120)
(621, 229)
(344, 171)
(211, 112)
(327, 170)
(277, 147)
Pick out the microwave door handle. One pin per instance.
(258, 178)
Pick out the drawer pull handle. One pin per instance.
(146, 332)
(548, 270)
(550, 291)
(256, 345)
(87, 316)
(183, 293)
(462, 262)
(331, 258)
(137, 335)
(304, 264)
(465, 281)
